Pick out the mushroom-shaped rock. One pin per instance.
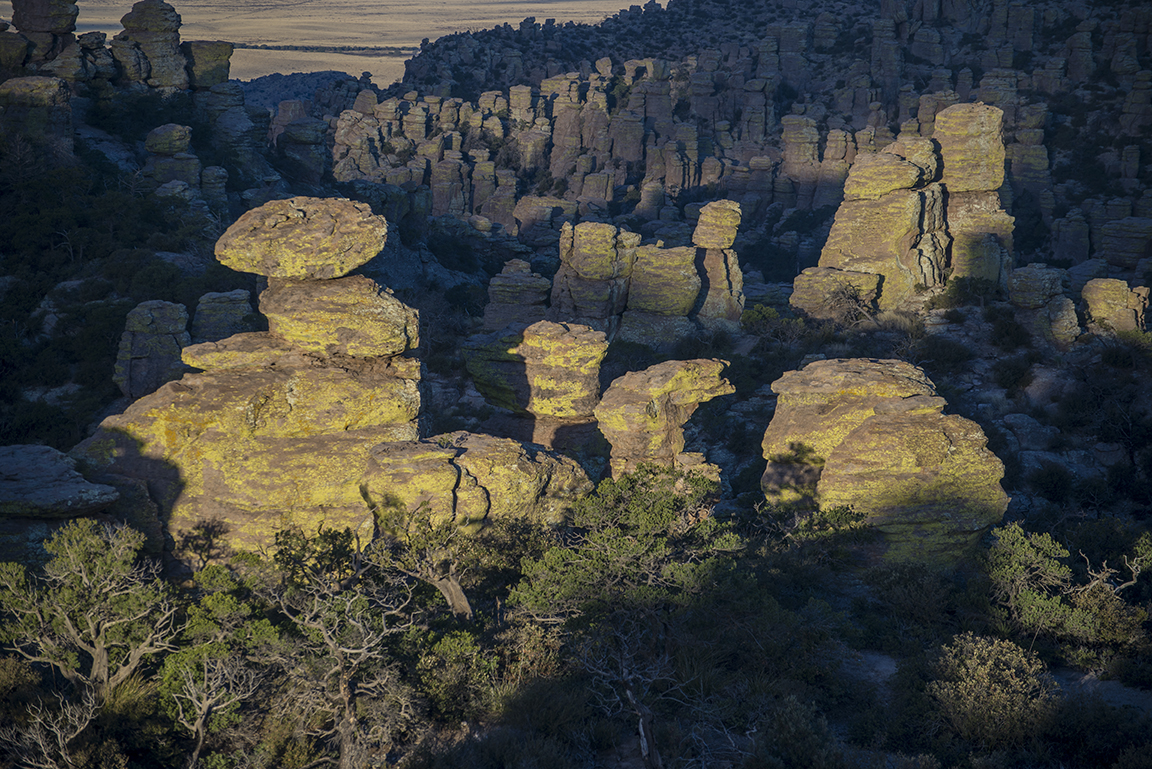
(349, 316)
(546, 370)
(467, 479)
(303, 238)
(717, 226)
(642, 414)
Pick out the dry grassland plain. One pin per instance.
(340, 23)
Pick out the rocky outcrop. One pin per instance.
(41, 482)
(170, 157)
(891, 224)
(871, 434)
(516, 297)
(152, 28)
(276, 431)
(1038, 293)
(155, 333)
(547, 375)
(1111, 306)
(468, 479)
(591, 286)
(642, 414)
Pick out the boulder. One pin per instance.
(149, 355)
(829, 293)
(642, 414)
(347, 316)
(302, 237)
(876, 174)
(664, 281)
(516, 297)
(870, 434)
(57, 17)
(40, 482)
(154, 27)
(469, 479)
(169, 139)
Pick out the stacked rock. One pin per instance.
(546, 376)
(1039, 294)
(277, 429)
(722, 297)
(871, 434)
(596, 265)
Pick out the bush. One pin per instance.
(991, 692)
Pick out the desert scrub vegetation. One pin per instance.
(645, 623)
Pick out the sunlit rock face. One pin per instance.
(871, 434)
(277, 430)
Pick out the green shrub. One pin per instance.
(991, 692)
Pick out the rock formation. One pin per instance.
(1111, 306)
(871, 434)
(277, 430)
(468, 479)
(1038, 291)
(155, 333)
(642, 414)
(547, 374)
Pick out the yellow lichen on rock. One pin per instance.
(303, 237)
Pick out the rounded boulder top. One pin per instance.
(317, 238)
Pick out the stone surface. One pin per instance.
(821, 292)
(1111, 305)
(348, 316)
(154, 27)
(971, 147)
(303, 238)
(642, 414)
(547, 370)
(516, 297)
(169, 139)
(870, 434)
(208, 61)
(876, 174)
(41, 482)
(468, 479)
(664, 281)
(149, 354)
(57, 17)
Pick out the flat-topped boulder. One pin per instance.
(303, 237)
(718, 225)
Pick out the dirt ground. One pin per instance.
(400, 23)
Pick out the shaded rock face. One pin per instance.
(1038, 291)
(153, 28)
(276, 431)
(516, 297)
(468, 479)
(155, 332)
(871, 434)
(643, 413)
(40, 491)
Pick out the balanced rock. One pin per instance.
(468, 479)
(347, 316)
(548, 370)
(154, 27)
(718, 224)
(591, 286)
(839, 437)
(303, 238)
(642, 414)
